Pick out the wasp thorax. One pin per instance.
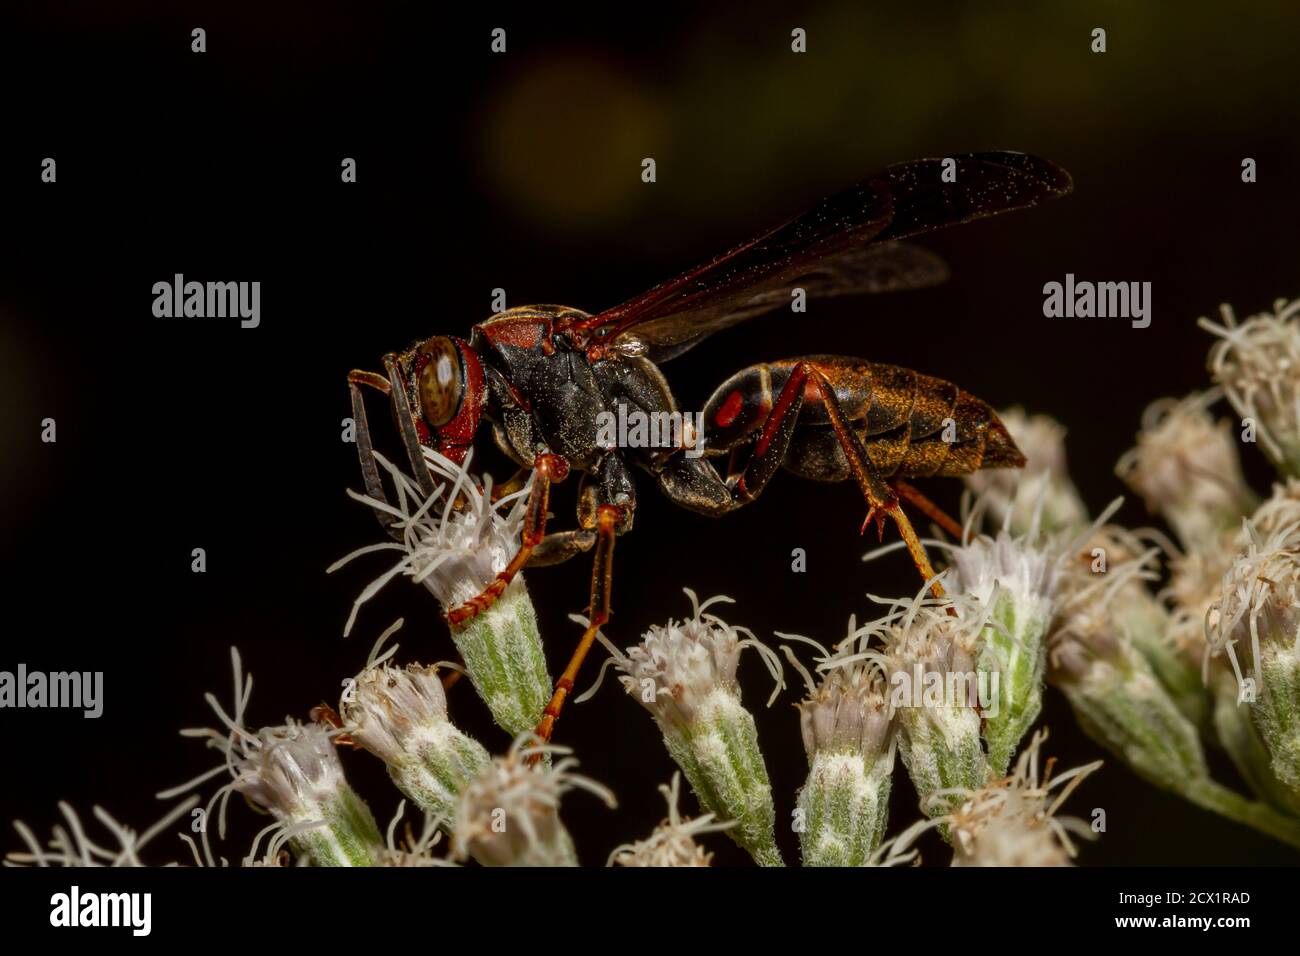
(441, 383)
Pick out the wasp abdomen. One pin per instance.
(912, 425)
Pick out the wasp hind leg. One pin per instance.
(927, 507)
(882, 502)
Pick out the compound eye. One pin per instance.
(441, 384)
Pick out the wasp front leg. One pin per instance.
(761, 431)
(366, 446)
(547, 469)
(392, 389)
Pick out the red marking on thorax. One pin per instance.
(523, 332)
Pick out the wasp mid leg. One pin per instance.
(695, 484)
(608, 519)
(512, 484)
(606, 508)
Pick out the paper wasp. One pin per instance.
(541, 375)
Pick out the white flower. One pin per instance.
(400, 715)
(291, 770)
(685, 675)
(413, 851)
(509, 815)
(1185, 466)
(72, 847)
(1086, 626)
(1258, 365)
(455, 542)
(679, 666)
(847, 708)
(1260, 593)
(938, 635)
(1039, 494)
(673, 841)
(390, 710)
(928, 649)
(1013, 821)
(846, 722)
(848, 711)
(456, 554)
(1026, 567)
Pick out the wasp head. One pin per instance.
(445, 389)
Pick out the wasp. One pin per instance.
(544, 375)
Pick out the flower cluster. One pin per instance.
(952, 686)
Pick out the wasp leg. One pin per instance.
(547, 469)
(366, 447)
(880, 497)
(560, 546)
(608, 519)
(511, 484)
(927, 507)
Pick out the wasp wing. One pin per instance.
(824, 247)
(878, 267)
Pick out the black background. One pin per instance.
(522, 171)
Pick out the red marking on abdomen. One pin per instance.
(730, 409)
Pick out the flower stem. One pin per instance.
(505, 660)
(1215, 797)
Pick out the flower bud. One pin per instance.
(673, 841)
(1255, 624)
(1012, 822)
(1114, 692)
(935, 691)
(1015, 581)
(294, 772)
(1186, 468)
(685, 675)
(843, 806)
(455, 543)
(509, 815)
(1039, 495)
(1256, 363)
(400, 715)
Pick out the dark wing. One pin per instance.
(824, 247)
(878, 267)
